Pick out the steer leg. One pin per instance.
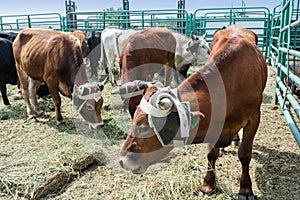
(245, 154)
(33, 85)
(94, 65)
(53, 88)
(24, 85)
(4, 94)
(111, 73)
(209, 182)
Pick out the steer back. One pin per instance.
(226, 33)
(146, 53)
(228, 91)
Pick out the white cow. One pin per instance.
(189, 51)
(185, 54)
(112, 42)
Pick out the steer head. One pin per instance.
(131, 93)
(199, 49)
(142, 146)
(88, 102)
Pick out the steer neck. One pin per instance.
(81, 76)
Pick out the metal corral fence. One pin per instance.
(201, 21)
(19, 22)
(285, 58)
(175, 19)
(256, 19)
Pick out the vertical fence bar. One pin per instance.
(285, 78)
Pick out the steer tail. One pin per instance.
(103, 61)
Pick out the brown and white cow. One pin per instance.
(221, 98)
(55, 58)
(158, 50)
(158, 47)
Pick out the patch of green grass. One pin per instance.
(112, 130)
(15, 110)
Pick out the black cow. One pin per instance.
(11, 36)
(8, 72)
(94, 40)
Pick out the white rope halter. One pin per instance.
(182, 108)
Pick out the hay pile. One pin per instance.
(40, 160)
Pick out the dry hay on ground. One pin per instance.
(38, 159)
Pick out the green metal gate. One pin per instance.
(255, 18)
(19, 22)
(175, 19)
(286, 61)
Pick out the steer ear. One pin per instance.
(204, 35)
(76, 90)
(188, 47)
(197, 114)
(193, 37)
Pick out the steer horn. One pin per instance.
(165, 103)
(101, 84)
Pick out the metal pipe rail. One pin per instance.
(255, 18)
(284, 46)
(18, 22)
(176, 19)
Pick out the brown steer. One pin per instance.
(227, 90)
(55, 58)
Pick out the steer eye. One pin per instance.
(143, 128)
(89, 106)
(144, 131)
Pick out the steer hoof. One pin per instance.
(208, 190)
(32, 119)
(41, 114)
(235, 143)
(222, 151)
(62, 125)
(244, 197)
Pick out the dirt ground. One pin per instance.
(40, 161)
